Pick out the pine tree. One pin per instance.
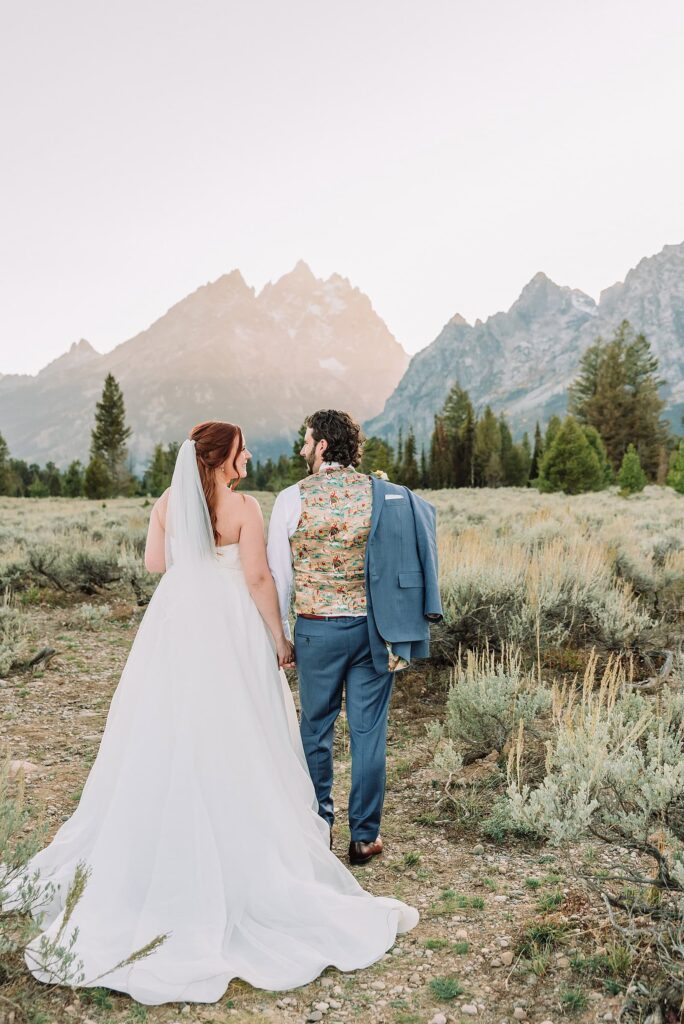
(488, 467)
(377, 456)
(156, 472)
(73, 480)
(631, 477)
(410, 474)
(537, 452)
(594, 438)
(675, 476)
(440, 456)
(458, 414)
(52, 478)
(38, 488)
(157, 476)
(396, 473)
(514, 462)
(5, 472)
(298, 468)
(570, 464)
(525, 458)
(468, 449)
(110, 434)
(616, 392)
(424, 478)
(552, 428)
(97, 482)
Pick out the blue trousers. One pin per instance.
(334, 655)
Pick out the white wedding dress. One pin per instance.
(198, 819)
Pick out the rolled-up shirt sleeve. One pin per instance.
(283, 523)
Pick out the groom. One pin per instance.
(361, 556)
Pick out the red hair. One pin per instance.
(214, 442)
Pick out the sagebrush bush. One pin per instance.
(13, 645)
(615, 763)
(488, 697)
(556, 590)
(90, 616)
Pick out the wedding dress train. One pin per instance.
(198, 819)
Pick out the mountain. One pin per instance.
(223, 352)
(522, 361)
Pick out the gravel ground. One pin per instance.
(476, 899)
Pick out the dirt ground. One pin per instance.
(476, 898)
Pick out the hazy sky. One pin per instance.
(436, 152)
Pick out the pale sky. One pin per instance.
(436, 152)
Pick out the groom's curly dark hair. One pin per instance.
(343, 434)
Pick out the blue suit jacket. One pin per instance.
(402, 585)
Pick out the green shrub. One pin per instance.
(631, 476)
(487, 699)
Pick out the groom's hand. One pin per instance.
(286, 654)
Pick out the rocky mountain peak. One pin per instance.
(79, 353)
(522, 361)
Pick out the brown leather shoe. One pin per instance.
(361, 853)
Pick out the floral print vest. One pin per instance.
(329, 544)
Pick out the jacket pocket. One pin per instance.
(411, 579)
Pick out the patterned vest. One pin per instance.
(329, 544)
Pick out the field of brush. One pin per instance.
(535, 796)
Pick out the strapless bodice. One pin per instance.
(228, 556)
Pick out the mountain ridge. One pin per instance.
(220, 352)
(521, 361)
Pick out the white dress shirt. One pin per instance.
(284, 521)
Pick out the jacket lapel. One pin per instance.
(377, 496)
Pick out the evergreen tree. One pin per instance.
(616, 392)
(594, 438)
(410, 474)
(73, 480)
(675, 476)
(440, 467)
(156, 473)
(570, 464)
(552, 428)
(514, 459)
(97, 482)
(5, 472)
(38, 488)
(396, 473)
(377, 455)
(110, 434)
(537, 452)
(20, 477)
(52, 479)
(488, 467)
(525, 458)
(157, 476)
(298, 468)
(468, 448)
(631, 476)
(424, 478)
(458, 415)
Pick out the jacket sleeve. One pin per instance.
(425, 517)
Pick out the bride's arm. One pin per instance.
(155, 558)
(258, 575)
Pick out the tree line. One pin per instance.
(613, 433)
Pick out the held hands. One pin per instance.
(285, 653)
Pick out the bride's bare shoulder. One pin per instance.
(160, 505)
(250, 506)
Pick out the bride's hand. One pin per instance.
(285, 652)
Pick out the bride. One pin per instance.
(198, 820)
